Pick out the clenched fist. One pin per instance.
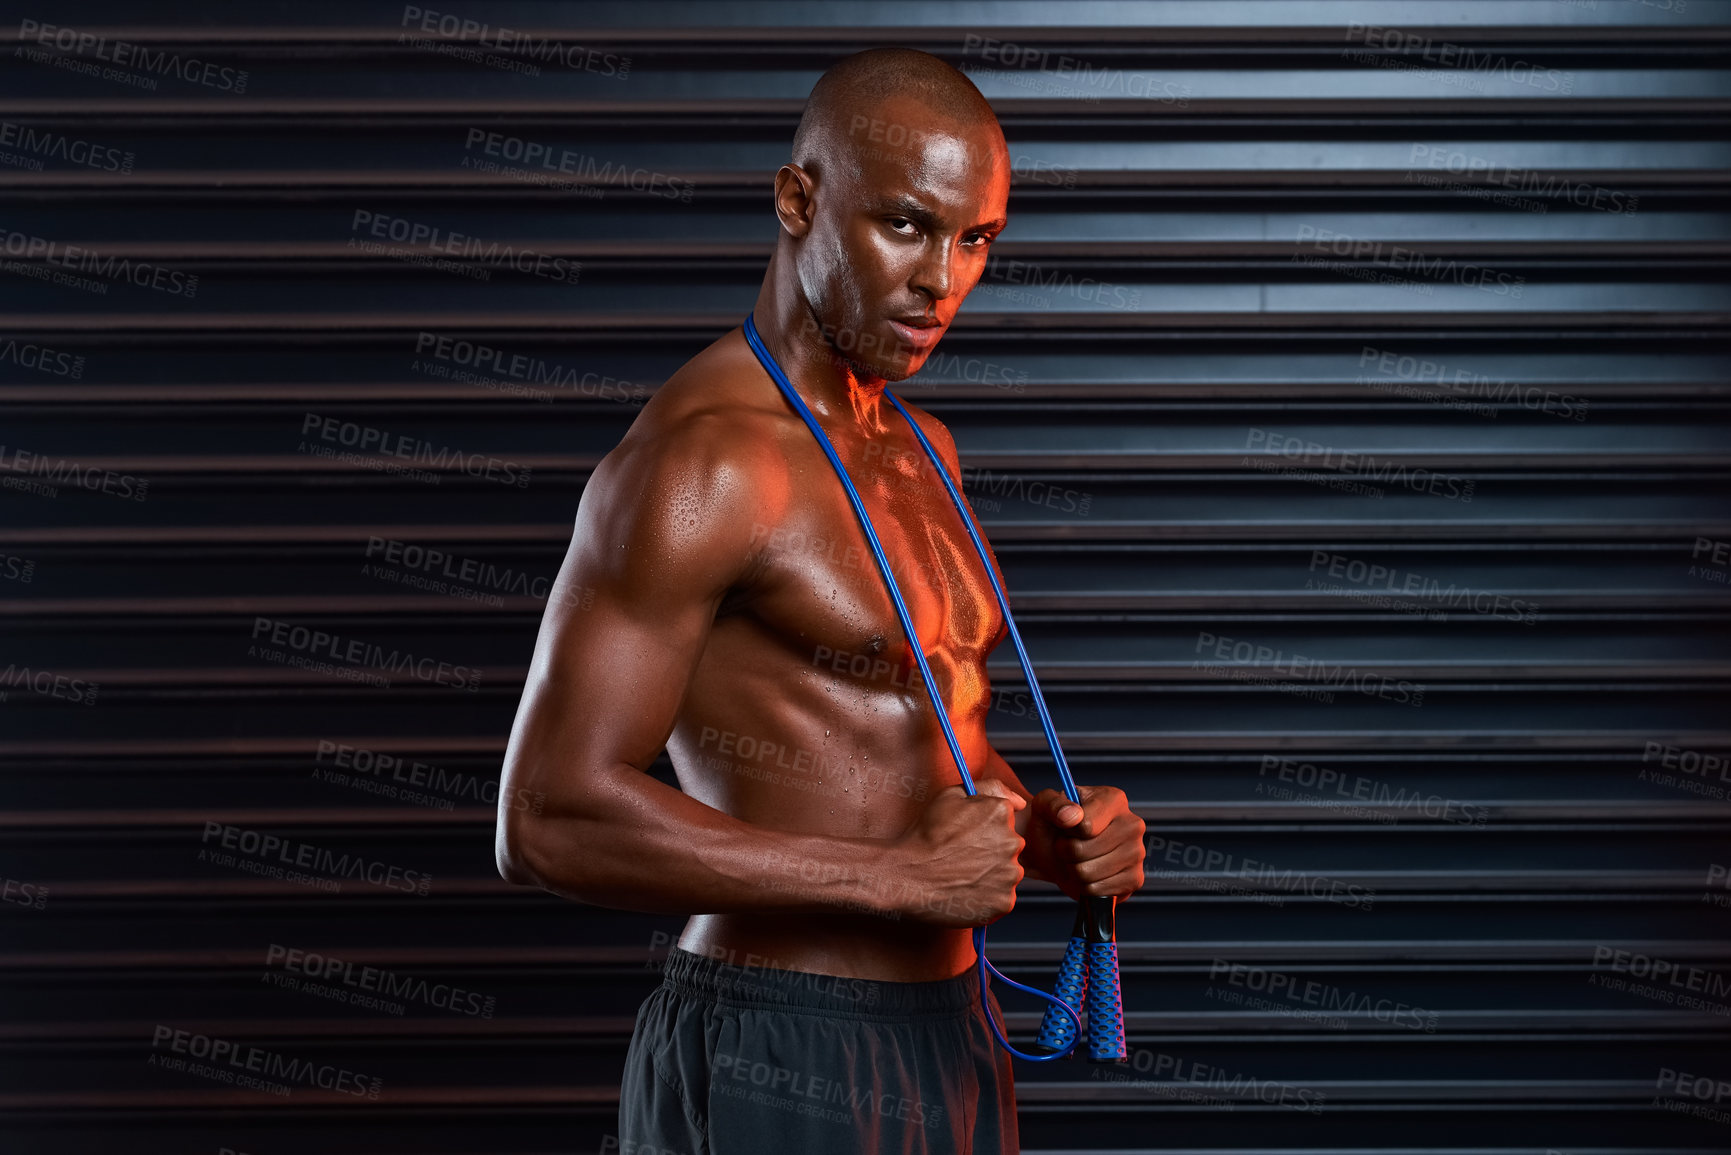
(959, 866)
(1095, 848)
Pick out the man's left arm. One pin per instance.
(1095, 848)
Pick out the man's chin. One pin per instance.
(906, 366)
(890, 370)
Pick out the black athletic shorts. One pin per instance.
(732, 1060)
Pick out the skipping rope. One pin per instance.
(1088, 995)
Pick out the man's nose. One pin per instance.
(935, 275)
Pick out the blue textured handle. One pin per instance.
(1105, 1005)
(1057, 1030)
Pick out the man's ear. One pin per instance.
(795, 199)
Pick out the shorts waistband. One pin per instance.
(832, 995)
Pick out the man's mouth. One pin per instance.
(918, 332)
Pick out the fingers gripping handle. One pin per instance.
(1105, 999)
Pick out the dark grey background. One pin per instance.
(1174, 347)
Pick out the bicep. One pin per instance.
(654, 550)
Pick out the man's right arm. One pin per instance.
(662, 534)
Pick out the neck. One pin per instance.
(831, 385)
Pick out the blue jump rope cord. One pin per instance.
(767, 360)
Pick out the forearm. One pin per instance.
(634, 843)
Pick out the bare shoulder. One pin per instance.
(698, 467)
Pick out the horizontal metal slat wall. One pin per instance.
(1347, 402)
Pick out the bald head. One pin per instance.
(854, 93)
(898, 185)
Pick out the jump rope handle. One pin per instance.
(1058, 1030)
(1088, 984)
(1105, 996)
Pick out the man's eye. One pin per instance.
(896, 223)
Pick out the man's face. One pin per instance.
(904, 215)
